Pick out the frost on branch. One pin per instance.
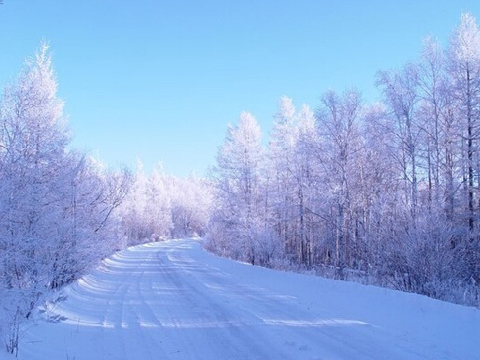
(56, 207)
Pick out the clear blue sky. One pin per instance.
(160, 80)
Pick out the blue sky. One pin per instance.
(160, 80)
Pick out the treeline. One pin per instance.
(161, 206)
(387, 192)
(56, 204)
(61, 211)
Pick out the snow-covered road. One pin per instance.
(172, 300)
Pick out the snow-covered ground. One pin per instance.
(172, 300)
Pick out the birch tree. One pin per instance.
(281, 152)
(400, 91)
(464, 72)
(338, 119)
(464, 69)
(238, 221)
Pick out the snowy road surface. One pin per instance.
(172, 300)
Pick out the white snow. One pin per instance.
(173, 300)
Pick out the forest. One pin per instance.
(385, 193)
(62, 211)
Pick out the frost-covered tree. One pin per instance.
(464, 69)
(191, 205)
(306, 186)
(132, 209)
(283, 141)
(401, 95)
(161, 206)
(431, 79)
(463, 57)
(55, 206)
(146, 212)
(338, 132)
(238, 221)
(32, 159)
(291, 180)
(157, 211)
(386, 191)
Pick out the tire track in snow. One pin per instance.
(144, 316)
(114, 343)
(173, 301)
(231, 334)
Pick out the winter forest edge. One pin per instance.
(383, 193)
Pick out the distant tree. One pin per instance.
(191, 205)
(145, 213)
(158, 206)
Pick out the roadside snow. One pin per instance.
(172, 300)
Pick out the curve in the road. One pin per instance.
(171, 300)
